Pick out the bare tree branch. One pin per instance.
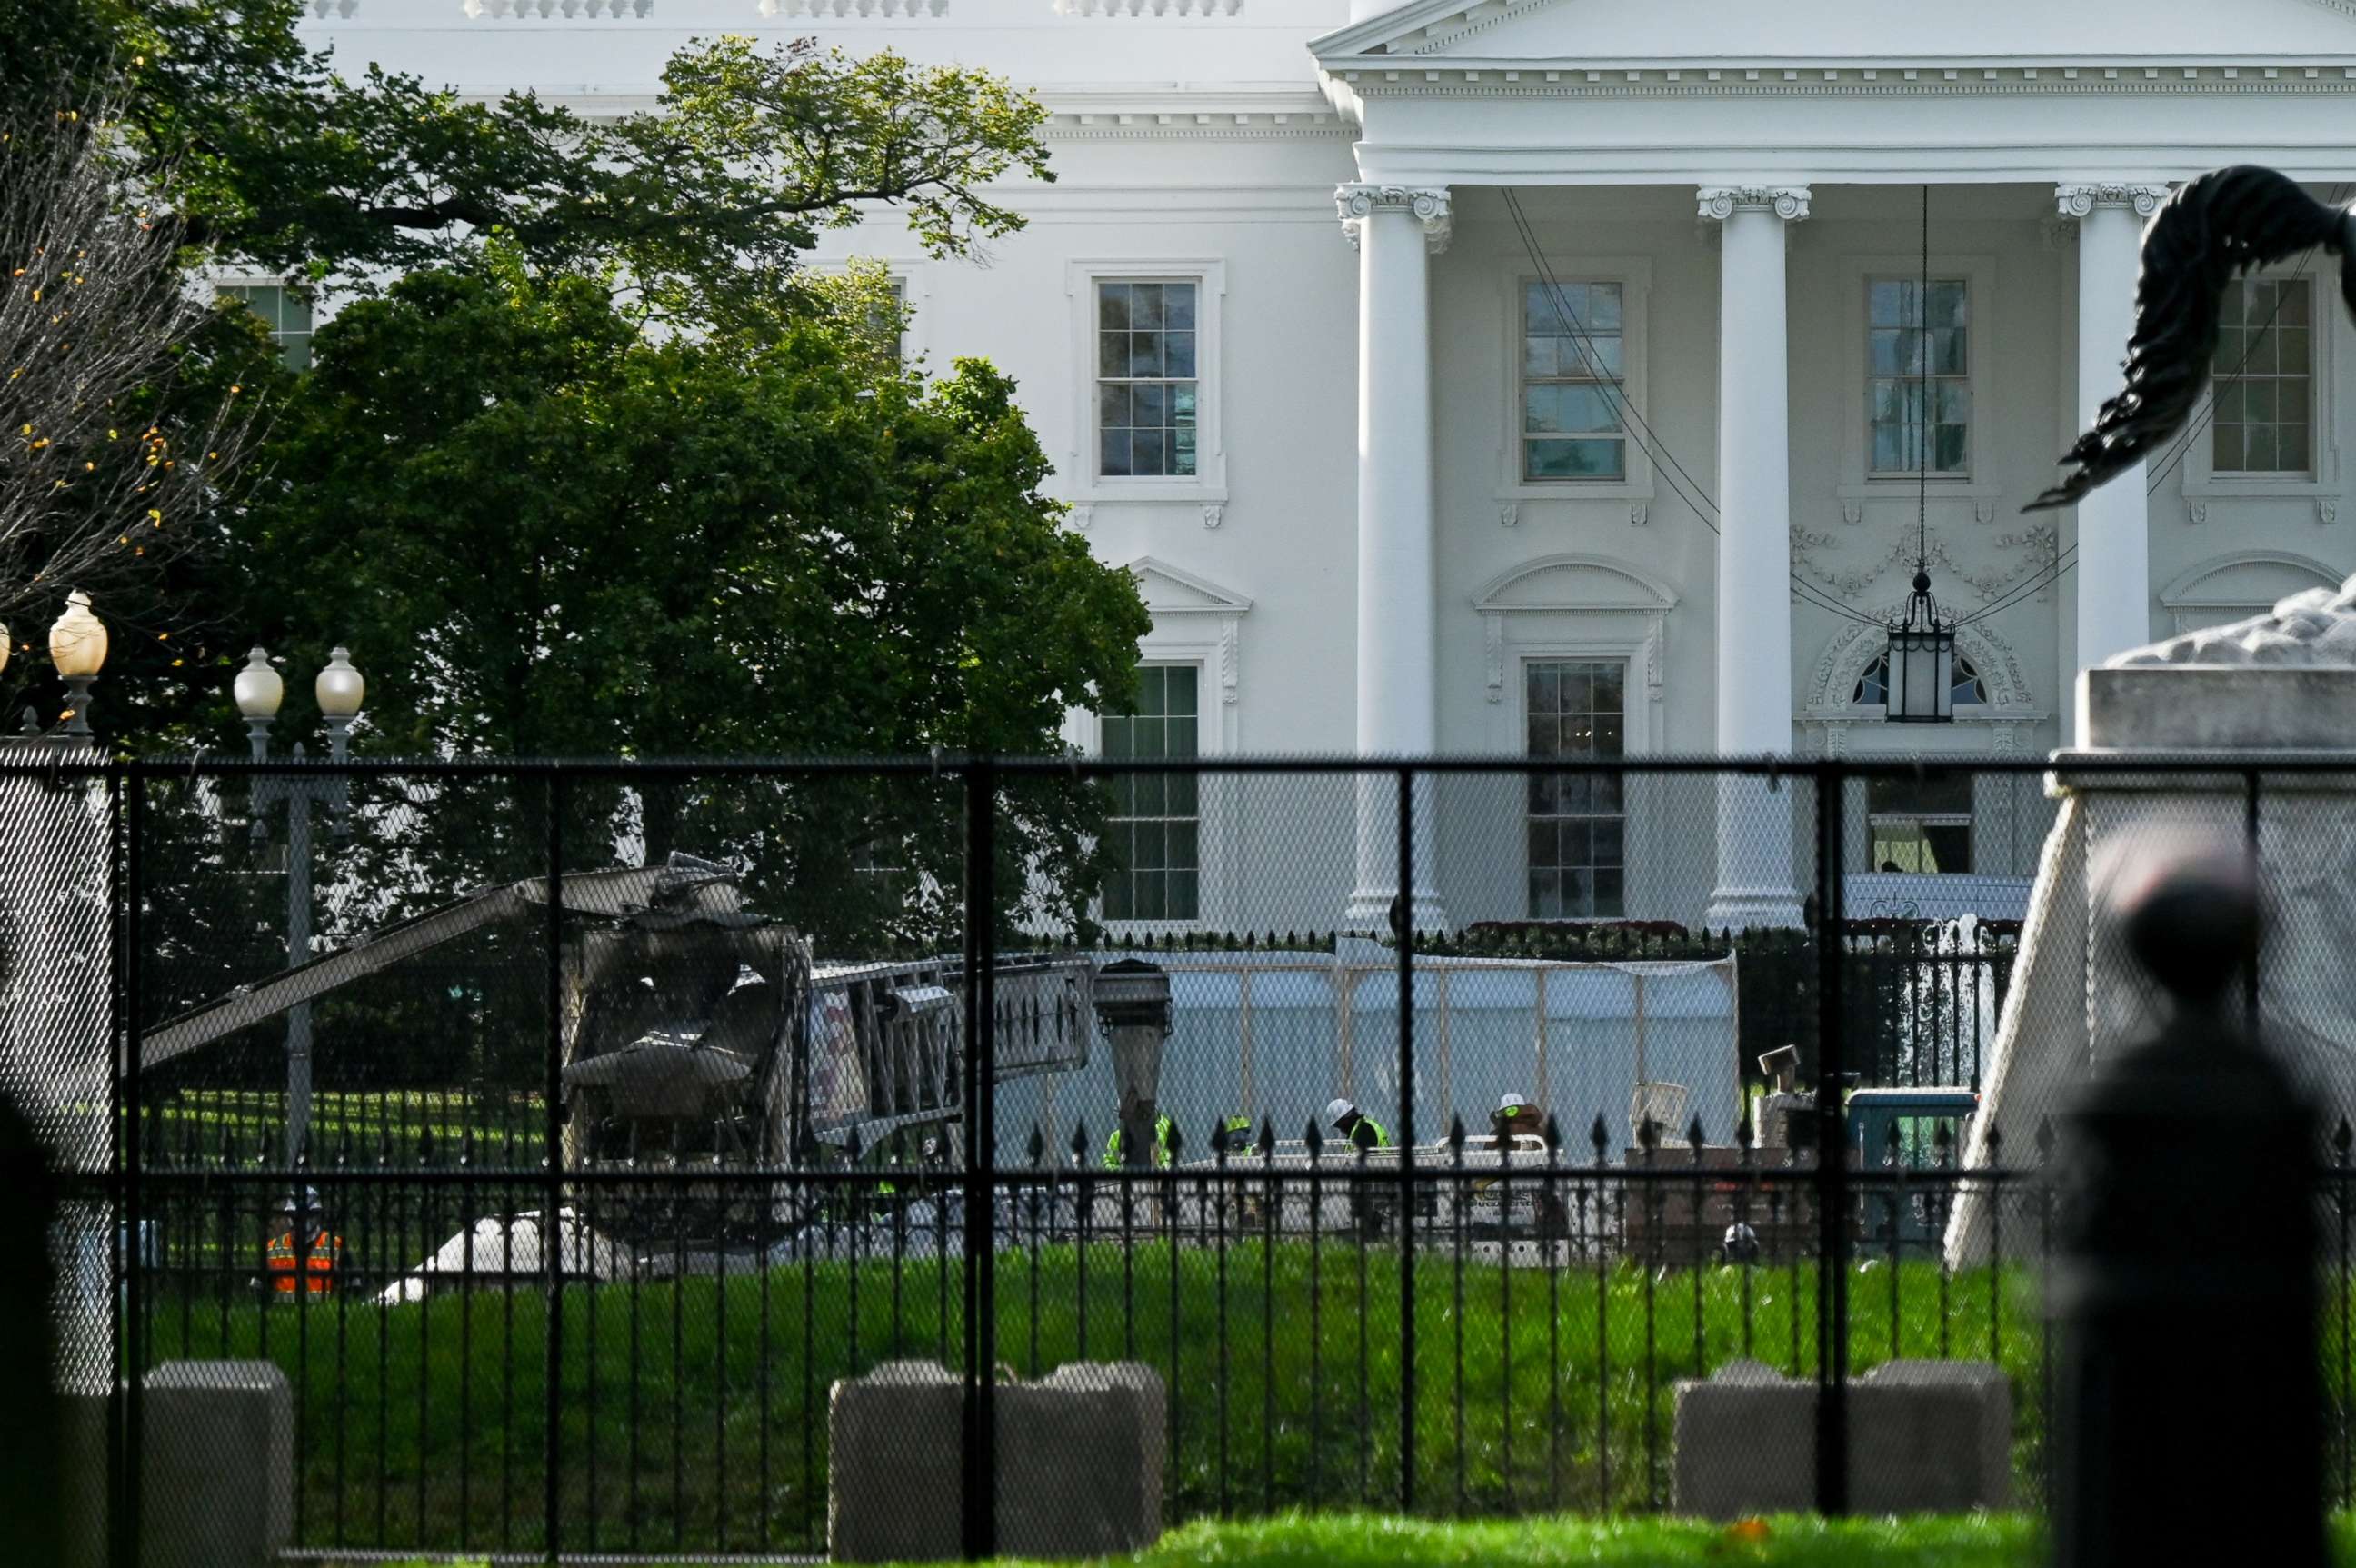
(110, 452)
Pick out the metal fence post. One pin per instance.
(131, 823)
(1832, 1158)
(552, 1234)
(1405, 904)
(980, 1402)
(2250, 837)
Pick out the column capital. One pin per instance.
(1720, 202)
(1355, 202)
(2080, 199)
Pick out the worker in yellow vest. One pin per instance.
(304, 1255)
(1113, 1159)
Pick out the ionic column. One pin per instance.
(1755, 830)
(2114, 575)
(1396, 228)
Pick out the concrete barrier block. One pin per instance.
(895, 1473)
(1080, 1458)
(1931, 1437)
(1079, 1462)
(1924, 1437)
(218, 1477)
(1746, 1444)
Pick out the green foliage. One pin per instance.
(706, 198)
(544, 534)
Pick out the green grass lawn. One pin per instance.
(1378, 1540)
(693, 1414)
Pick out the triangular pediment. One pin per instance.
(1167, 590)
(1742, 34)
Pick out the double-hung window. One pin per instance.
(1918, 393)
(1155, 828)
(1573, 397)
(2264, 379)
(1576, 823)
(285, 312)
(1148, 383)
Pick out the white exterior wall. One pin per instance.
(1211, 145)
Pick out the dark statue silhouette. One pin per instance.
(2211, 230)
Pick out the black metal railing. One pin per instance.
(520, 1312)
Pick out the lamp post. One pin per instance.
(258, 691)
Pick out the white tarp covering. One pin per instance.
(503, 1250)
(1275, 1034)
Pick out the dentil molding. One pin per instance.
(1720, 202)
(2080, 201)
(1429, 205)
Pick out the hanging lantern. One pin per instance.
(1921, 686)
(1922, 662)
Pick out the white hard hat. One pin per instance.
(1512, 1103)
(1337, 1109)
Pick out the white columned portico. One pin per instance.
(1396, 228)
(2114, 575)
(1755, 885)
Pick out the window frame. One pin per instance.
(2201, 478)
(1082, 450)
(1634, 276)
(1967, 819)
(220, 287)
(1980, 276)
(906, 273)
(1631, 671)
(1204, 687)
(1971, 360)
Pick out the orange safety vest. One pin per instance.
(318, 1273)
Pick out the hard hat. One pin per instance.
(1512, 1104)
(1337, 1109)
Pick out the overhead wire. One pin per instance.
(1672, 473)
(1688, 488)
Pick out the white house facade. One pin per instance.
(1558, 376)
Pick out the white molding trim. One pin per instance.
(1355, 201)
(1832, 679)
(2187, 606)
(1634, 276)
(2079, 199)
(1210, 484)
(1594, 607)
(1720, 202)
(1186, 634)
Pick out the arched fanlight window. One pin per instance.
(1872, 689)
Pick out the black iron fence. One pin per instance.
(623, 1110)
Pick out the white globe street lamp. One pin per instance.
(78, 649)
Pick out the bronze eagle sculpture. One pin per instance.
(2204, 235)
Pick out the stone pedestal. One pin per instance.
(1080, 1458)
(1924, 1437)
(218, 1487)
(2247, 699)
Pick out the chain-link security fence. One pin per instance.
(609, 1116)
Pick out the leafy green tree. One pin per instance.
(271, 159)
(544, 533)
